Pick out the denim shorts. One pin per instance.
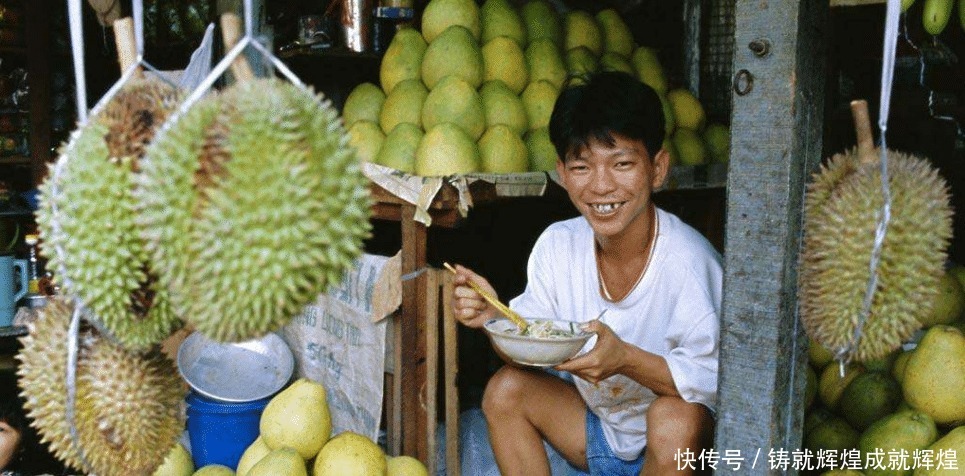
(599, 456)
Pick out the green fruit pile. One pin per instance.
(936, 14)
(295, 439)
(480, 82)
(910, 402)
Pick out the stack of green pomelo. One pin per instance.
(474, 89)
(903, 414)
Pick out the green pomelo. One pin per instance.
(905, 431)
(502, 151)
(252, 455)
(815, 416)
(403, 105)
(502, 106)
(214, 470)
(810, 387)
(898, 367)
(455, 101)
(669, 121)
(818, 355)
(648, 69)
(717, 138)
(542, 154)
(582, 30)
(580, 62)
(869, 397)
(542, 22)
(611, 61)
(442, 14)
(283, 461)
(671, 151)
(539, 99)
(402, 59)
(687, 109)
(363, 104)
(454, 53)
(177, 463)
(948, 304)
(503, 60)
(691, 149)
(405, 466)
(545, 63)
(500, 18)
(831, 384)
(832, 434)
(935, 375)
(366, 138)
(959, 272)
(616, 34)
(398, 150)
(882, 364)
(952, 446)
(445, 150)
(350, 454)
(297, 418)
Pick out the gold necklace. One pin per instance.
(599, 269)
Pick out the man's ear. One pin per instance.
(661, 168)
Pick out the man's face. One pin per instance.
(611, 186)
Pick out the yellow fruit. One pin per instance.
(441, 14)
(406, 466)
(831, 384)
(214, 470)
(906, 4)
(177, 463)
(542, 22)
(500, 18)
(297, 418)
(502, 151)
(616, 34)
(648, 69)
(687, 109)
(948, 304)
(810, 387)
(898, 367)
(935, 375)
(907, 431)
(366, 138)
(350, 454)
(503, 107)
(580, 62)
(503, 60)
(717, 138)
(457, 102)
(832, 434)
(959, 272)
(403, 105)
(691, 149)
(818, 355)
(283, 461)
(454, 53)
(545, 63)
(445, 150)
(542, 154)
(952, 463)
(582, 30)
(402, 59)
(398, 150)
(869, 397)
(935, 15)
(669, 121)
(363, 104)
(539, 99)
(252, 455)
(611, 61)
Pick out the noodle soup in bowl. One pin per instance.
(546, 343)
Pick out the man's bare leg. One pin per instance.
(672, 426)
(523, 407)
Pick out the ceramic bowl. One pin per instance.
(536, 351)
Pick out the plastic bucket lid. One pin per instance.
(221, 431)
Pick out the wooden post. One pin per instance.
(412, 338)
(777, 124)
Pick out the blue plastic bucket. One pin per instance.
(221, 431)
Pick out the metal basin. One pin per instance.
(235, 371)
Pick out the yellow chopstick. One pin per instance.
(504, 309)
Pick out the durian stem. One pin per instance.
(126, 45)
(862, 130)
(230, 34)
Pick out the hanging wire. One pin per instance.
(884, 216)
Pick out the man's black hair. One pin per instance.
(607, 103)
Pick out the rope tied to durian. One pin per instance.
(866, 155)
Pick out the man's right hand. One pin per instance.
(470, 308)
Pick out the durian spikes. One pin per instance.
(128, 407)
(841, 210)
(253, 203)
(87, 218)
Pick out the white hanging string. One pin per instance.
(887, 74)
(77, 49)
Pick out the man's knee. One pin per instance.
(674, 424)
(504, 391)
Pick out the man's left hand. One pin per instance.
(605, 358)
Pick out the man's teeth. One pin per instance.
(606, 207)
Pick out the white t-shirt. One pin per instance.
(674, 312)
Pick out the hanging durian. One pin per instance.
(128, 406)
(253, 203)
(841, 211)
(87, 216)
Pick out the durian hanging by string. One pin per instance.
(128, 410)
(841, 210)
(87, 214)
(253, 204)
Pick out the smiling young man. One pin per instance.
(642, 393)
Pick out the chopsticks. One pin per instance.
(504, 309)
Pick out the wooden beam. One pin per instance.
(776, 144)
(412, 338)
